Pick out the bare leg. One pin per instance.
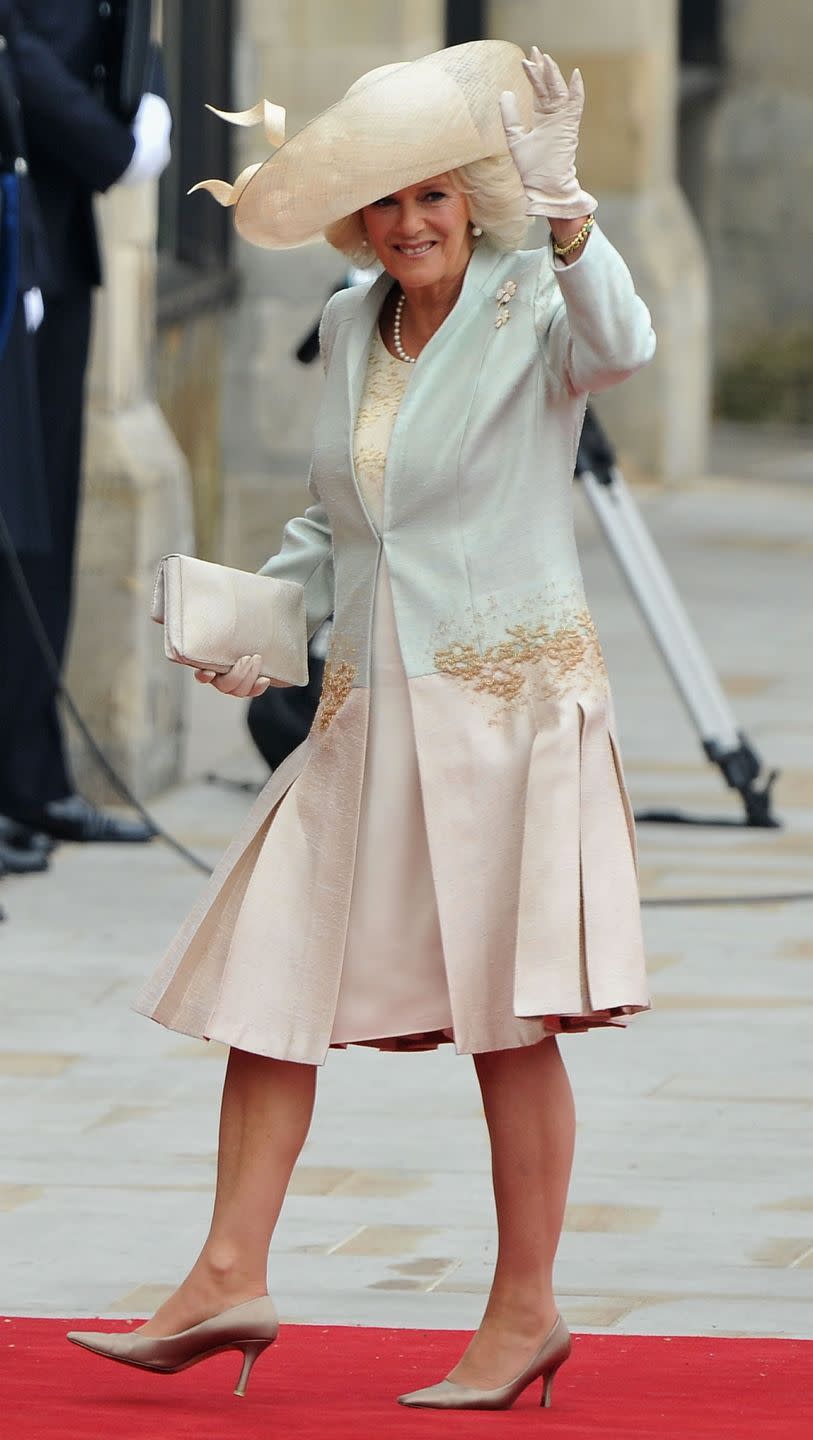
(264, 1119)
(531, 1122)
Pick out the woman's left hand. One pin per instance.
(243, 680)
(545, 155)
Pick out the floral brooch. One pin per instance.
(506, 292)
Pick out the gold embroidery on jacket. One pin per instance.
(339, 679)
(545, 659)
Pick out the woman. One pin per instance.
(450, 855)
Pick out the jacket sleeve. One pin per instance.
(593, 328)
(306, 555)
(62, 116)
(307, 543)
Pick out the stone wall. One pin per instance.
(189, 386)
(754, 192)
(136, 507)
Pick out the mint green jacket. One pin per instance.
(478, 511)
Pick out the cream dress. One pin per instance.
(393, 983)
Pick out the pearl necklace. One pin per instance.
(396, 332)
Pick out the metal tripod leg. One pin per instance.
(663, 611)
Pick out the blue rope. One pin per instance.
(9, 252)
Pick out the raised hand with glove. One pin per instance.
(545, 155)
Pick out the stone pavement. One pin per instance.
(692, 1200)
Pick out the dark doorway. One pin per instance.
(465, 20)
(702, 54)
(194, 235)
(701, 37)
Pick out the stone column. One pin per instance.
(756, 197)
(136, 508)
(627, 52)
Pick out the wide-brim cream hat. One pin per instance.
(396, 126)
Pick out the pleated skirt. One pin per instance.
(393, 982)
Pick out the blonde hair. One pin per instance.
(496, 201)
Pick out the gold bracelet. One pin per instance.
(578, 239)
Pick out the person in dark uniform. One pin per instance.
(77, 146)
(22, 477)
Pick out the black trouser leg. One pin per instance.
(33, 764)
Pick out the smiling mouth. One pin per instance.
(414, 252)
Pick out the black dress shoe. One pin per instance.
(21, 862)
(22, 837)
(74, 818)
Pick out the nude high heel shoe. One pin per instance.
(448, 1395)
(250, 1328)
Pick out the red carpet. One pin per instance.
(340, 1383)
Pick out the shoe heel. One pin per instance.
(547, 1387)
(252, 1349)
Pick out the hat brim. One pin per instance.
(395, 127)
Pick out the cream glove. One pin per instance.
(545, 155)
(151, 130)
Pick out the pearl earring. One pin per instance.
(476, 230)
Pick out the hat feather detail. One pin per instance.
(272, 119)
(270, 116)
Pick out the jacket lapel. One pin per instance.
(359, 339)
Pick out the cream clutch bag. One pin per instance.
(212, 615)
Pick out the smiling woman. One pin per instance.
(449, 857)
(496, 203)
(423, 237)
